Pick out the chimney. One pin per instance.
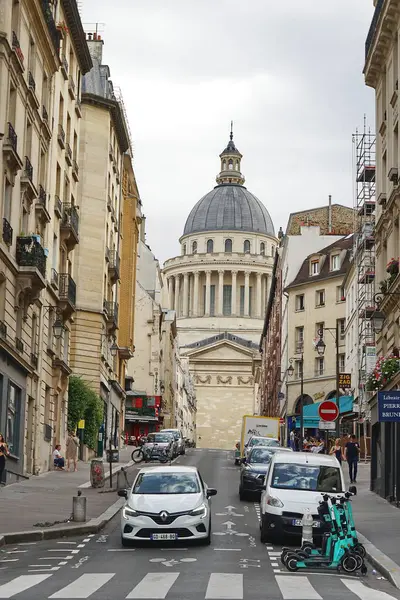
(95, 45)
(330, 214)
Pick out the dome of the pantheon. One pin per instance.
(229, 206)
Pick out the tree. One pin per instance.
(84, 403)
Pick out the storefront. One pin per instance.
(311, 417)
(141, 416)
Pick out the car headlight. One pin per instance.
(200, 511)
(274, 502)
(129, 512)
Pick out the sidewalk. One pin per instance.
(45, 502)
(379, 522)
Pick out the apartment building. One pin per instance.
(43, 55)
(104, 141)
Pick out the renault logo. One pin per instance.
(163, 516)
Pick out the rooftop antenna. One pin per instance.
(231, 130)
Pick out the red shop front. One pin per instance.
(141, 416)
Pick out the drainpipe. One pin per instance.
(38, 398)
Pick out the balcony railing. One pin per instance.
(34, 360)
(75, 170)
(114, 264)
(42, 196)
(54, 278)
(71, 86)
(12, 138)
(51, 26)
(372, 30)
(67, 288)
(78, 107)
(70, 217)
(31, 82)
(68, 154)
(7, 233)
(28, 172)
(107, 253)
(64, 66)
(111, 310)
(30, 253)
(17, 48)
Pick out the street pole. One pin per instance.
(337, 379)
(301, 401)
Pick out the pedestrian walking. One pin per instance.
(337, 450)
(292, 440)
(72, 447)
(351, 454)
(3, 453)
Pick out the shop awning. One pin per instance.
(310, 412)
(130, 418)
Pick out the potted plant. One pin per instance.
(385, 369)
(383, 286)
(393, 266)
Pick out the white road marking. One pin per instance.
(87, 539)
(27, 544)
(9, 560)
(154, 585)
(52, 558)
(74, 551)
(228, 549)
(225, 586)
(298, 588)
(80, 545)
(20, 584)
(365, 593)
(63, 550)
(269, 547)
(16, 551)
(64, 562)
(84, 586)
(40, 566)
(121, 550)
(43, 569)
(67, 543)
(274, 553)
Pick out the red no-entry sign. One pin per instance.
(328, 411)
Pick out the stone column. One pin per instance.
(234, 293)
(191, 282)
(171, 292)
(246, 293)
(186, 295)
(220, 292)
(208, 294)
(196, 294)
(259, 303)
(177, 298)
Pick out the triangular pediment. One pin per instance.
(220, 351)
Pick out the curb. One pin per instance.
(116, 469)
(92, 526)
(382, 563)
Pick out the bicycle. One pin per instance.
(147, 454)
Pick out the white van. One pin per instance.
(294, 483)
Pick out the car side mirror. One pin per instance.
(211, 492)
(353, 490)
(263, 487)
(123, 493)
(243, 460)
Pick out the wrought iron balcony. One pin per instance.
(34, 360)
(70, 224)
(78, 107)
(28, 172)
(107, 254)
(61, 136)
(54, 279)
(41, 206)
(27, 180)
(67, 290)
(31, 82)
(30, 254)
(7, 233)
(68, 154)
(45, 114)
(111, 312)
(10, 148)
(372, 30)
(114, 265)
(109, 203)
(42, 197)
(75, 170)
(17, 49)
(71, 87)
(51, 26)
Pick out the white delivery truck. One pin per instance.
(259, 426)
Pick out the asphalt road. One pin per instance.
(236, 566)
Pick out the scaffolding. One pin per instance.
(364, 146)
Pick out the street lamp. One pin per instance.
(290, 372)
(58, 327)
(114, 349)
(321, 347)
(377, 320)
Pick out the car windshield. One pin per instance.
(175, 434)
(263, 442)
(314, 478)
(166, 483)
(159, 438)
(260, 455)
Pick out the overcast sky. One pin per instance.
(288, 73)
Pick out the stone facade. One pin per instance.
(333, 219)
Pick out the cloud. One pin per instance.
(289, 73)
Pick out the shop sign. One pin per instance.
(344, 380)
(318, 395)
(81, 424)
(389, 406)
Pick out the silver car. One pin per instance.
(158, 446)
(178, 438)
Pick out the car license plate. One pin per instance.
(163, 537)
(297, 523)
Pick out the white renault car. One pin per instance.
(168, 503)
(294, 484)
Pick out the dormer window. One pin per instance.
(246, 246)
(184, 249)
(314, 267)
(335, 262)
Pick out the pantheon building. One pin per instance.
(219, 286)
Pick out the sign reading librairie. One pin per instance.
(389, 406)
(344, 380)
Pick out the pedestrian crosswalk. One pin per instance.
(169, 585)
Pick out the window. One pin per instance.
(13, 418)
(299, 302)
(314, 267)
(8, 190)
(340, 296)
(227, 300)
(34, 335)
(250, 301)
(320, 298)
(246, 247)
(298, 369)
(228, 245)
(272, 250)
(47, 405)
(230, 167)
(342, 363)
(341, 323)
(289, 476)
(184, 249)
(210, 246)
(299, 339)
(335, 262)
(194, 247)
(319, 366)
(262, 249)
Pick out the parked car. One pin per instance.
(157, 445)
(178, 437)
(167, 504)
(295, 482)
(257, 440)
(254, 468)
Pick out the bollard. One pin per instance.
(122, 480)
(79, 508)
(307, 527)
